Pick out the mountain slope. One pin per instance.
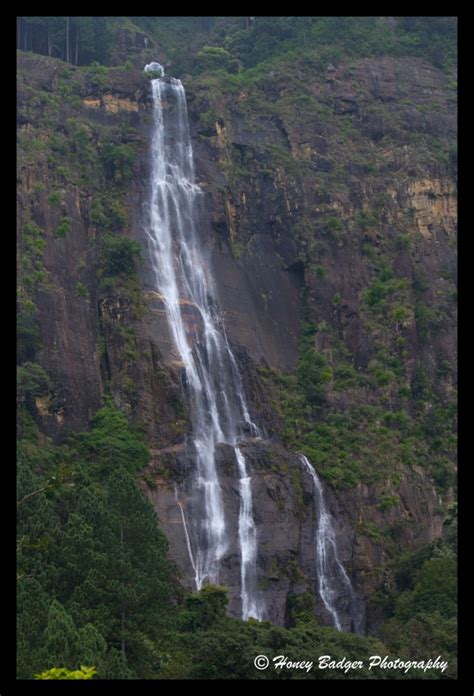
(330, 192)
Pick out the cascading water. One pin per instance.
(248, 545)
(333, 581)
(182, 278)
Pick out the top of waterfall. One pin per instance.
(155, 68)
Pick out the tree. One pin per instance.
(32, 381)
(111, 444)
(215, 57)
(74, 556)
(314, 373)
(67, 40)
(119, 255)
(96, 586)
(115, 666)
(78, 40)
(61, 640)
(32, 615)
(127, 591)
(204, 608)
(92, 647)
(138, 567)
(118, 161)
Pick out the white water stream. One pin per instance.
(184, 283)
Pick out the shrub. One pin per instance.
(400, 313)
(98, 79)
(318, 271)
(108, 212)
(31, 229)
(403, 241)
(388, 501)
(375, 294)
(345, 376)
(32, 381)
(119, 254)
(27, 336)
(81, 290)
(366, 220)
(333, 224)
(97, 213)
(215, 57)
(152, 74)
(111, 443)
(425, 317)
(204, 608)
(313, 375)
(63, 673)
(54, 198)
(117, 161)
(63, 228)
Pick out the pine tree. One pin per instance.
(61, 639)
(115, 666)
(139, 565)
(74, 554)
(92, 648)
(32, 615)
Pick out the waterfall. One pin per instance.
(333, 581)
(251, 604)
(183, 281)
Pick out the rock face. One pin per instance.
(283, 498)
(275, 175)
(384, 101)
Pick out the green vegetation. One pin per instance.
(372, 395)
(362, 442)
(366, 220)
(81, 290)
(421, 610)
(385, 286)
(27, 332)
(388, 501)
(107, 211)
(54, 198)
(63, 673)
(314, 373)
(119, 255)
(78, 40)
(211, 57)
(94, 583)
(110, 443)
(318, 271)
(118, 161)
(32, 381)
(333, 224)
(33, 272)
(403, 241)
(63, 227)
(195, 44)
(98, 77)
(425, 321)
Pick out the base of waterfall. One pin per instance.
(284, 518)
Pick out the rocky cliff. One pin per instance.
(331, 209)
